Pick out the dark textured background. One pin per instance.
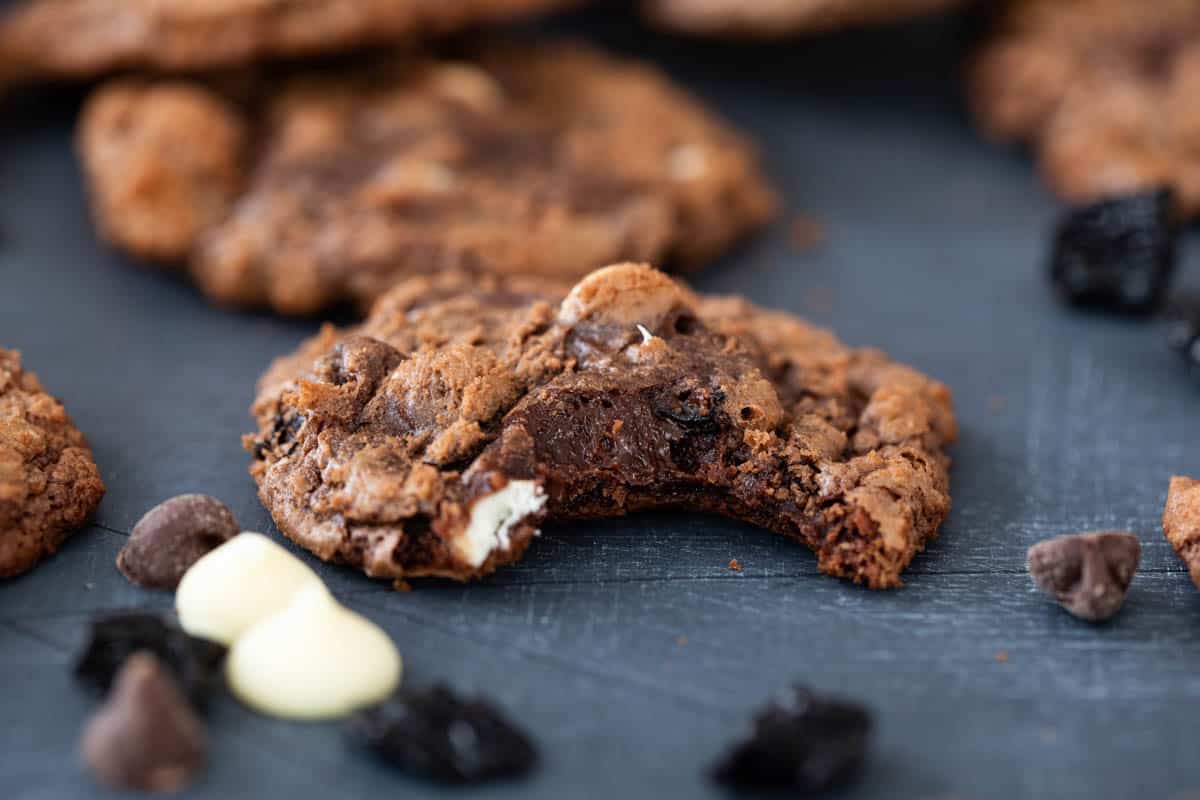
(935, 248)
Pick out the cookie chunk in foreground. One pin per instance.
(49, 484)
(1103, 90)
(437, 436)
(538, 159)
(1181, 522)
(87, 38)
(777, 18)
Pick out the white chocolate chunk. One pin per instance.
(234, 586)
(493, 517)
(314, 659)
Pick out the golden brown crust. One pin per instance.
(776, 18)
(548, 159)
(376, 445)
(88, 38)
(49, 483)
(1181, 522)
(1102, 89)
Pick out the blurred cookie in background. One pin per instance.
(324, 189)
(779, 18)
(76, 39)
(1102, 90)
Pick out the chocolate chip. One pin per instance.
(196, 663)
(802, 742)
(145, 737)
(172, 536)
(1087, 573)
(436, 734)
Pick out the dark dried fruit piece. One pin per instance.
(800, 742)
(196, 663)
(1116, 254)
(1088, 573)
(436, 734)
(174, 535)
(145, 737)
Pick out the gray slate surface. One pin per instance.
(935, 250)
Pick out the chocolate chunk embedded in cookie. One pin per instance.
(547, 160)
(775, 18)
(436, 437)
(49, 484)
(1102, 89)
(86, 38)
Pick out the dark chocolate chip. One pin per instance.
(436, 734)
(196, 663)
(1087, 573)
(1117, 254)
(145, 737)
(174, 535)
(801, 742)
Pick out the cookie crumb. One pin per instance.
(735, 565)
(997, 403)
(681, 641)
(805, 233)
(1001, 656)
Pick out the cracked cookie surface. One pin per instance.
(548, 159)
(87, 38)
(1101, 89)
(776, 18)
(49, 483)
(437, 436)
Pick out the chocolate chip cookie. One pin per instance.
(1102, 90)
(49, 484)
(1181, 522)
(87, 38)
(437, 436)
(775, 18)
(548, 159)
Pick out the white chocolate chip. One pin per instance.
(231, 588)
(315, 659)
(493, 517)
(687, 163)
(646, 335)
